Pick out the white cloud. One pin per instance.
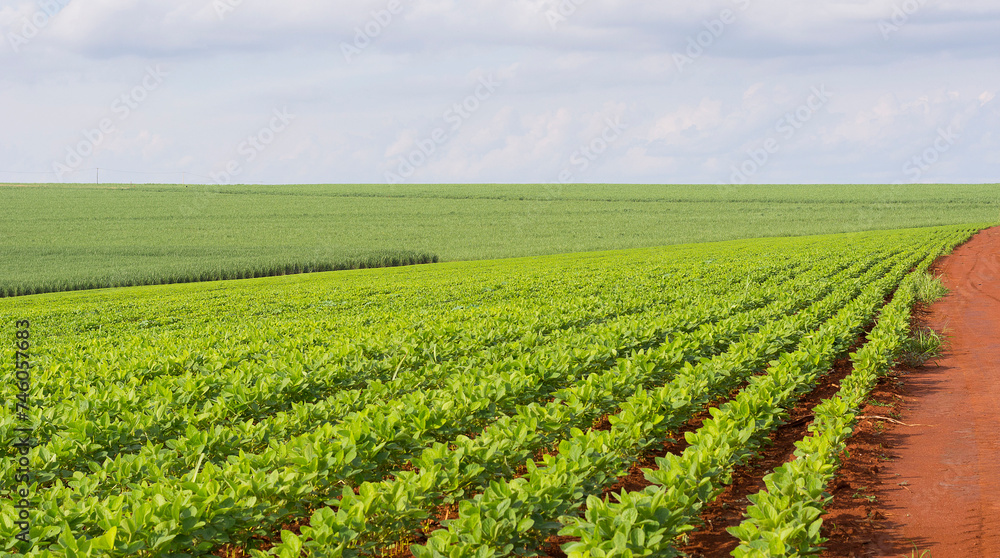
(687, 122)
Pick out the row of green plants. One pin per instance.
(247, 270)
(785, 519)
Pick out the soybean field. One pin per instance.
(477, 408)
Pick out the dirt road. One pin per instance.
(942, 491)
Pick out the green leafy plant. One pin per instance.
(922, 346)
(922, 553)
(928, 288)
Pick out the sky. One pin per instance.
(497, 91)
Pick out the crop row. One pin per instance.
(785, 518)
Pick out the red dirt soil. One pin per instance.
(940, 487)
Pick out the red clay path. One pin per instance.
(942, 492)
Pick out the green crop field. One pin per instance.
(340, 414)
(63, 237)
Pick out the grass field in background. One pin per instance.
(62, 237)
